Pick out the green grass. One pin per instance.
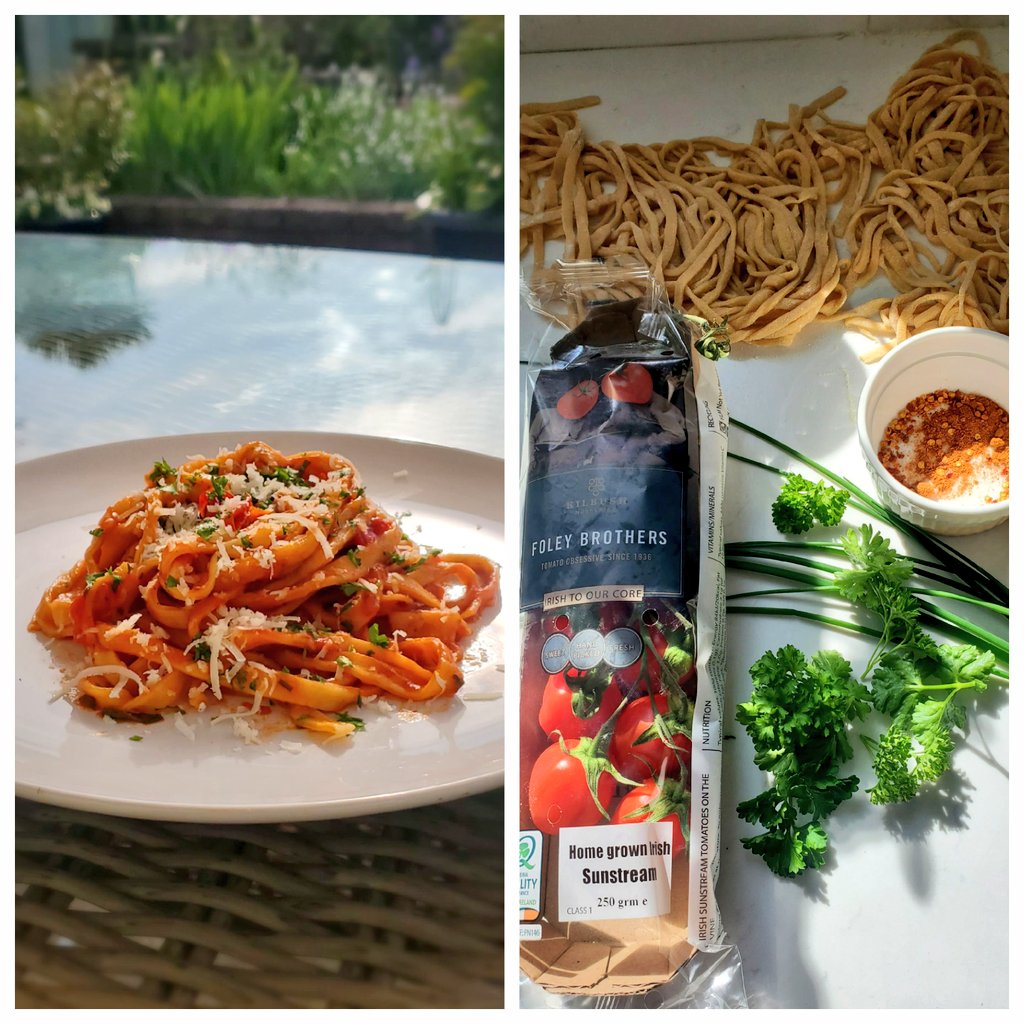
(207, 133)
(265, 132)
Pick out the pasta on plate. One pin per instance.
(253, 582)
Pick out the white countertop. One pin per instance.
(911, 910)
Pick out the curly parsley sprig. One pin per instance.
(802, 503)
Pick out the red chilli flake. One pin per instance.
(950, 446)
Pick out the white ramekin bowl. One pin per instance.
(967, 359)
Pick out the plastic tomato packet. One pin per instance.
(622, 627)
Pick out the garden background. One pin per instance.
(363, 131)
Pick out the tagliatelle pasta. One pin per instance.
(778, 233)
(254, 580)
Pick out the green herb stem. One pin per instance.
(979, 581)
(922, 566)
(948, 622)
(967, 633)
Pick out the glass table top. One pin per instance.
(121, 338)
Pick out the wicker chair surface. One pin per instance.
(400, 910)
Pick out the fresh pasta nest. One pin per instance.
(779, 233)
(255, 581)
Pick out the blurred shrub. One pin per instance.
(68, 142)
(226, 111)
(355, 141)
(476, 64)
(209, 128)
(470, 173)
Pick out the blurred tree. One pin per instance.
(397, 47)
(68, 143)
(476, 65)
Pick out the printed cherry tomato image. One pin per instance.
(638, 751)
(687, 681)
(532, 739)
(644, 675)
(578, 400)
(656, 801)
(577, 703)
(630, 382)
(559, 794)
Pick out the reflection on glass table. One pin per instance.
(120, 338)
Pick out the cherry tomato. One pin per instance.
(561, 702)
(559, 795)
(644, 759)
(241, 516)
(578, 400)
(667, 800)
(630, 382)
(202, 491)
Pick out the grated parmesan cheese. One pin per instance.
(308, 524)
(124, 625)
(185, 727)
(244, 729)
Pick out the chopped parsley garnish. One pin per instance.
(246, 542)
(207, 528)
(201, 651)
(351, 589)
(172, 581)
(219, 484)
(375, 636)
(343, 662)
(343, 716)
(287, 475)
(98, 532)
(135, 739)
(431, 553)
(162, 473)
(354, 557)
(396, 558)
(93, 577)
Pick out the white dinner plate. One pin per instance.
(73, 758)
